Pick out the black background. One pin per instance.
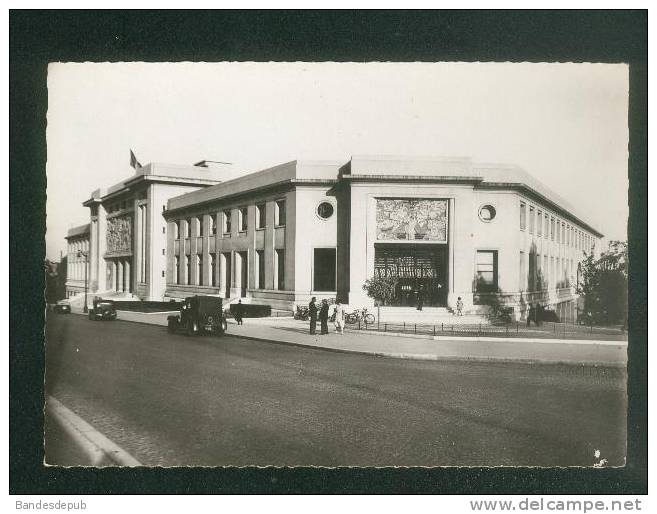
(39, 37)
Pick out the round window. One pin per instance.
(487, 213)
(325, 210)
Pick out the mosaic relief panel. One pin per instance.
(119, 234)
(411, 220)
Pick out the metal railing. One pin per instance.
(547, 330)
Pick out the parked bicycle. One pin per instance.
(301, 313)
(360, 315)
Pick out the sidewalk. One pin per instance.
(424, 347)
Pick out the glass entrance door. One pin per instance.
(420, 270)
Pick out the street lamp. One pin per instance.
(85, 255)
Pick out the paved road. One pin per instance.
(173, 400)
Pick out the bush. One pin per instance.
(380, 289)
(251, 310)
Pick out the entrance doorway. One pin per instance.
(420, 270)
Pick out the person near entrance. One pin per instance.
(323, 317)
(312, 314)
(420, 298)
(530, 315)
(338, 312)
(459, 307)
(239, 312)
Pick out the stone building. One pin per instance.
(77, 248)
(126, 236)
(443, 227)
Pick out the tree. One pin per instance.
(380, 289)
(603, 285)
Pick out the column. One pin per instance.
(127, 278)
(119, 276)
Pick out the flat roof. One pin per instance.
(78, 231)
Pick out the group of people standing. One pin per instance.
(322, 313)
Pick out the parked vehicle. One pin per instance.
(199, 315)
(360, 315)
(62, 307)
(102, 310)
(301, 313)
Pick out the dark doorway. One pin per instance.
(420, 269)
(324, 269)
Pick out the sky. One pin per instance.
(565, 124)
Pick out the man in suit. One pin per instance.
(312, 313)
(323, 317)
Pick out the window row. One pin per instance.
(547, 226)
(227, 221)
(188, 270)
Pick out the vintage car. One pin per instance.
(102, 310)
(62, 307)
(199, 315)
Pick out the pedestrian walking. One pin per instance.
(338, 312)
(312, 314)
(323, 317)
(459, 307)
(239, 312)
(420, 298)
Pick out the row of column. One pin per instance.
(121, 275)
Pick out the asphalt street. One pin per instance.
(174, 400)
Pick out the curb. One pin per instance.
(98, 448)
(434, 357)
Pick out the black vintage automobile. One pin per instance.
(199, 315)
(102, 310)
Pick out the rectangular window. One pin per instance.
(227, 215)
(523, 216)
(213, 224)
(188, 270)
(261, 215)
(324, 269)
(164, 230)
(546, 232)
(558, 231)
(213, 269)
(162, 273)
(531, 219)
(563, 233)
(546, 271)
(522, 277)
(280, 270)
(188, 233)
(177, 229)
(552, 228)
(200, 226)
(552, 281)
(164, 251)
(260, 263)
(280, 213)
(177, 270)
(244, 217)
(486, 271)
(539, 224)
(199, 270)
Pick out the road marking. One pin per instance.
(98, 448)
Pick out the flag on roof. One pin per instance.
(133, 160)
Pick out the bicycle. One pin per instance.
(358, 315)
(301, 313)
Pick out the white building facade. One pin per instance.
(444, 228)
(127, 232)
(77, 250)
